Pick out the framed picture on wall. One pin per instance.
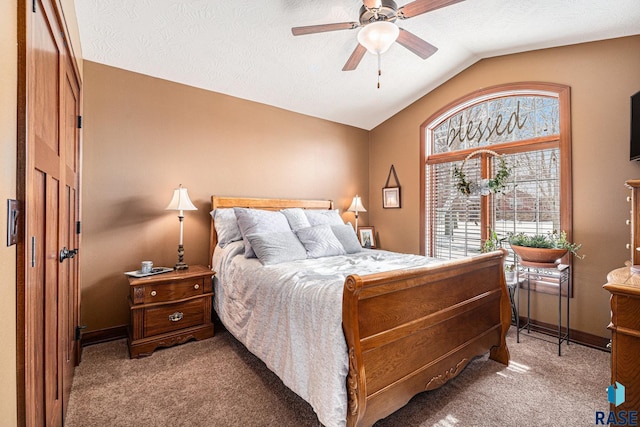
(391, 193)
(367, 237)
(391, 197)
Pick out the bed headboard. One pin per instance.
(258, 203)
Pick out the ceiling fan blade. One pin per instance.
(415, 44)
(355, 58)
(372, 4)
(312, 29)
(418, 7)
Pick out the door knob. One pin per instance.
(66, 253)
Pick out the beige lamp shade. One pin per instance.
(180, 201)
(356, 205)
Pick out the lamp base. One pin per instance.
(180, 265)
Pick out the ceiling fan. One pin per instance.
(379, 31)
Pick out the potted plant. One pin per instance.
(492, 243)
(509, 272)
(543, 248)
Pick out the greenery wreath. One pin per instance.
(486, 186)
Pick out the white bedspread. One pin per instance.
(290, 316)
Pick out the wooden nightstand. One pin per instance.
(170, 308)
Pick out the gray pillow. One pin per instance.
(347, 237)
(319, 217)
(319, 241)
(296, 218)
(258, 221)
(277, 247)
(226, 226)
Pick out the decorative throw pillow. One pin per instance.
(258, 221)
(297, 218)
(319, 241)
(319, 217)
(277, 247)
(226, 226)
(347, 237)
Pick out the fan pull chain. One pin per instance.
(379, 71)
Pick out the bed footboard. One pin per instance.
(413, 330)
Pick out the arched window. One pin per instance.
(528, 123)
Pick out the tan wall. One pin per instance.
(144, 136)
(602, 76)
(8, 136)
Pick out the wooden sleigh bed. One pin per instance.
(409, 331)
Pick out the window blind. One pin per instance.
(453, 226)
(530, 204)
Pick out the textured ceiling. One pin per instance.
(245, 48)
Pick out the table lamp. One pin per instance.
(356, 206)
(180, 202)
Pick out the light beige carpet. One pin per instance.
(217, 382)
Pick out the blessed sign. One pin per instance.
(498, 120)
(477, 131)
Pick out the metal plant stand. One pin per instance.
(557, 274)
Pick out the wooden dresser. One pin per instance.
(624, 286)
(169, 308)
(625, 334)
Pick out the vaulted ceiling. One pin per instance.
(245, 48)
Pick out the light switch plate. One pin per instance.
(13, 220)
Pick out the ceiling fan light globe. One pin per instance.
(378, 36)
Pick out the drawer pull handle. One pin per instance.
(196, 286)
(154, 293)
(628, 222)
(176, 317)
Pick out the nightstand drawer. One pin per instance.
(171, 317)
(172, 291)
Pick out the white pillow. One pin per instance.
(226, 226)
(319, 217)
(277, 247)
(319, 241)
(347, 237)
(258, 221)
(296, 218)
